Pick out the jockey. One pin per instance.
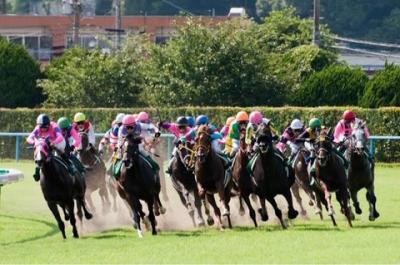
(191, 121)
(81, 124)
(224, 131)
(289, 136)
(72, 140)
(237, 127)
(178, 129)
(111, 136)
(212, 131)
(130, 126)
(47, 129)
(344, 129)
(255, 119)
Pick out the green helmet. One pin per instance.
(63, 123)
(314, 123)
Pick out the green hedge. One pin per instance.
(382, 121)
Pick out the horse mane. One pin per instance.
(203, 129)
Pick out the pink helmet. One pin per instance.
(256, 117)
(128, 120)
(142, 117)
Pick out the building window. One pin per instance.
(39, 47)
(163, 34)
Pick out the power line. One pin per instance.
(177, 7)
(379, 44)
(366, 52)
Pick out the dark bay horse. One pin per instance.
(272, 176)
(59, 188)
(138, 182)
(96, 175)
(331, 177)
(242, 179)
(184, 182)
(361, 171)
(210, 175)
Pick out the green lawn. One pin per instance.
(28, 234)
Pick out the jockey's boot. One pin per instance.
(169, 168)
(71, 167)
(36, 175)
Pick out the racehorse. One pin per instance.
(95, 175)
(210, 175)
(184, 182)
(59, 187)
(331, 177)
(242, 179)
(303, 180)
(272, 176)
(361, 171)
(138, 182)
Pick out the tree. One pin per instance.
(18, 74)
(211, 66)
(383, 88)
(93, 79)
(335, 85)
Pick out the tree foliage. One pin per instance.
(383, 89)
(18, 74)
(93, 79)
(335, 85)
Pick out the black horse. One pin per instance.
(272, 176)
(138, 182)
(184, 182)
(59, 188)
(361, 171)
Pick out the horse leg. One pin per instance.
(252, 213)
(103, 192)
(356, 203)
(296, 192)
(292, 213)
(328, 198)
(160, 206)
(88, 215)
(278, 212)
(197, 203)
(79, 210)
(113, 193)
(344, 199)
(189, 205)
(135, 207)
(210, 220)
(241, 208)
(163, 186)
(72, 220)
(152, 217)
(373, 213)
(53, 208)
(263, 209)
(88, 197)
(66, 214)
(217, 212)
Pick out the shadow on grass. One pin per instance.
(113, 233)
(54, 229)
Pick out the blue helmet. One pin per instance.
(202, 119)
(190, 120)
(43, 120)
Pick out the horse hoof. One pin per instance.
(371, 218)
(191, 212)
(293, 214)
(311, 203)
(163, 210)
(331, 212)
(156, 212)
(376, 214)
(210, 221)
(201, 223)
(358, 210)
(226, 213)
(303, 213)
(140, 233)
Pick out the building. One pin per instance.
(47, 36)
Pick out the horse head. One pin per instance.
(84, 140)
(183, 153)
(358, 138)
(203, 143)
(42, 151)
(264, 138)
(132, 148)
(324, 148)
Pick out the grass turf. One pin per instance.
(29, 234)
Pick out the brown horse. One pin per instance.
(59, 188)
(210, 175)
(242, 179)
(303, 181)
(95, 175)
(361, 171)
(331, 177)
(272, 176)
(138, 182)
(184, 182)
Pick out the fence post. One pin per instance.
(17, 148)
(372, 148)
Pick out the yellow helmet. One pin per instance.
(79, 117)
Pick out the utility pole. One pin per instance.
(117, 24)
(76, 7)
(316, 33)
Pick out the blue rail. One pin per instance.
(19, 135)
(374, 138)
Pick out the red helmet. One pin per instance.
(349, 116)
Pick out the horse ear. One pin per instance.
(330, 132)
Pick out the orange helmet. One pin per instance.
(229, 121)
(242, 116)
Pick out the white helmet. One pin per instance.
(119, 118)
(266, 121)
(296, 124)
